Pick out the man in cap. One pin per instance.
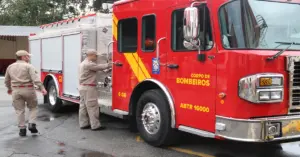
(89, 109)
(20, 78)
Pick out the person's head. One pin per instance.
(92, 55)
(23, 55)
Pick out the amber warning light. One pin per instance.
(270, 81)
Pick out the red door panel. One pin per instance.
(192, 84)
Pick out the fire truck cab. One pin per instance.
(225, 69)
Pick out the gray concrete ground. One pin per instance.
(60, 137)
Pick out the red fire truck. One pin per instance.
(224, 69)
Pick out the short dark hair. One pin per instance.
(19, 57)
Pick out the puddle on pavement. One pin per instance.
(95, 154)
(47, 118)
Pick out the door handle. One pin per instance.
(119, 64)
(108, 49)
(173, 66)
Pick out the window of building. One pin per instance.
(148, 33)
(127, 35)
(205, 34)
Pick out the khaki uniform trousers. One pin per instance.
(23, 97)
(89, 108)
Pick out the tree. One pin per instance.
(38, 12)
(97, 4)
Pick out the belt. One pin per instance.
(92, 85)
(23, 86)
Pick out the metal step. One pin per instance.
(108, 111)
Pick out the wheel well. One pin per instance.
(46, 82)
(141, 88)
(137, 93)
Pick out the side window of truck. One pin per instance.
(205, 29)
(127, 35)
(148, 33)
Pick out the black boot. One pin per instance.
(86, 127)
(22, 132)
(32, 128)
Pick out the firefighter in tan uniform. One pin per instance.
(89, 108)
(20, 79)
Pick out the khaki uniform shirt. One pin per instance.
(22, 73)
(88, 71)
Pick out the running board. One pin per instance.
(68, 99)
(120, 112)
(116, 113)
(196, 131)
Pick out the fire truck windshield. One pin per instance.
(256, 24)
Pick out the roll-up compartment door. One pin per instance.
(72, 59)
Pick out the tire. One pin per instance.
(160, 134)
(55, 103)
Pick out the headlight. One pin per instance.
(262, 88)
(276, 95)
(270, 95)
(264, 96)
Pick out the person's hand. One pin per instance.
(107, 70)
(109, 65)
(9, 92)
(44, 92)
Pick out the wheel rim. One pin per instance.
(151, 118)
(52, 95)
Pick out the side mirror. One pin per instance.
(191, 25)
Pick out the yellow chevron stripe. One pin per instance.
(142, 66)
(134, 66)
(133, 59)
(115, 20)
(115, 30)
(138, 60)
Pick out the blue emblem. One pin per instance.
(155, 66)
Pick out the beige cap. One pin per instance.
(91, 51)
(21, 53)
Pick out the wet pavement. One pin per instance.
(60, 136)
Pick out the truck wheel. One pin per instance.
(54, 102)
(153, 118)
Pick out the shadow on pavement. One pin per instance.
(232, 148)
(95, 154)
(45, 115)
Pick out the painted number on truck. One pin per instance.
(197, 108)
(122, 94)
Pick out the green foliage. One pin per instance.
(38, 12)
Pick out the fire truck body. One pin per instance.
(59, 49)
(230, 85)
